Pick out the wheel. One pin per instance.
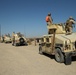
(59, 57)
(68, 58)
(21, 40)
(40, 51)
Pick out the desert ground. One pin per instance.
(26, 60)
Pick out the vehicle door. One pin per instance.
(48, 45)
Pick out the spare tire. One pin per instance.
(21, 40)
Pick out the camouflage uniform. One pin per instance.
(69, 26)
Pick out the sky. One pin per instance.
(28, 16)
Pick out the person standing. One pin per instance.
(13, 38)
(49, 19)
(69, 25)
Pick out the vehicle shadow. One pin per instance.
(50, 56)
(21, 45)
(74, 58)
(24, 45)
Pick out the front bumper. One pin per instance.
(72, 53)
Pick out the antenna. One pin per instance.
(24, 30)
(0, 31)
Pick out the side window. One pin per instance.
(47, 39)
(48, 44)
(42, 42)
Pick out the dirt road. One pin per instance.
(25, 60)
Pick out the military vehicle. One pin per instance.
(1, 39)
(58, 43)
(7, 39)
(18, 39)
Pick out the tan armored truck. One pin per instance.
(58, 43)
(7, 39)
(1, 39)
(18, 39)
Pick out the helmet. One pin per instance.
(70, 17)
(49, 14)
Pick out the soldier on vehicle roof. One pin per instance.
(49, 19)
(69, 24)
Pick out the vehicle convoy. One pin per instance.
(58, 43)
(18, 39)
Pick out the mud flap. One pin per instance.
(68, 58)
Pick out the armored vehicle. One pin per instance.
(1, 39)
(58, 43)
(18, 39)
(7, 39)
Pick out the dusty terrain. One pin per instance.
(25, 60)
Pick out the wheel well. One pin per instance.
(57, 47)
(60, 49)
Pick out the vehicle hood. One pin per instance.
(71, 37)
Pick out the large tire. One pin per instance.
(59, 57)
(21, 40)
(68, 58)
(40, 51)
